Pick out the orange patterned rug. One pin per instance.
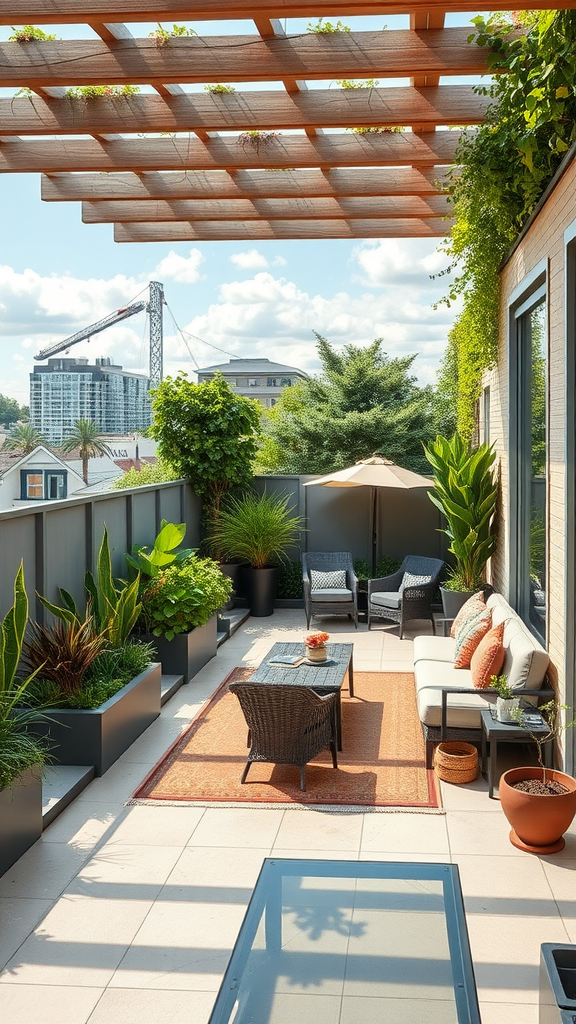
(382, 762)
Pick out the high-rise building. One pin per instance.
(255, 378)
(67, 390)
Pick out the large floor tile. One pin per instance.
(236, 827)
(499, 885)
(487, 835)
(119, 782)
(506, 954)
(509, 1013)
(211, 874)
(44, 871)
(319, 830)
(80, 943)
(181, 946)
(405, 833)
(473, 796)
(123, 871)
(18, 917)
(371, 1010)
(83, 826)
(156, 826)
(130, 1006)
(42, 1004)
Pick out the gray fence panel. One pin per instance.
(112, 514)
(65, 533)
(143, 517)
(17, 542)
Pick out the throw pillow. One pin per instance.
(469, 636)
(472, 606)
(488, 657)
(328, 580)
(409, 580)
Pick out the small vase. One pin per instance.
(316, 653)
(505, 709)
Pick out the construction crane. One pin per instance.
(154, 308)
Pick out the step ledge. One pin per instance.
(62, 784)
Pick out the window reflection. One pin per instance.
(536, 583)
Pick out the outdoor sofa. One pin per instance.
(445, 691)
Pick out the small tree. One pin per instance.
(24, 438)
(207, 433)
(87, 438)
(10, 411)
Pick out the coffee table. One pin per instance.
(327, 942)
(322, 677)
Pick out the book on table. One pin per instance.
(290, 660)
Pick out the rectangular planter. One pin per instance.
(187, 653)
(557, 981)
(20, 818)
(99, 736)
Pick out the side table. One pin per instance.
(494, 732)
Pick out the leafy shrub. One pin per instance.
(385, 567)
(158, 472)
(108, 673)
(184, 596)
(29, 34)
(290, 581)
(255, 528)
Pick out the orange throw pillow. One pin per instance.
(488, 658)
(469, 636)
(472, 606)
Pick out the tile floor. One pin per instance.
(129, 914)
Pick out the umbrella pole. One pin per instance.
(374, 526)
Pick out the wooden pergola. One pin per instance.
(172, 165)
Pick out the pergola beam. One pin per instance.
(241, 58)
(243, 112)
(210, 185)
(60, 12)
(194, 210)
(55, 156)
(281, 229)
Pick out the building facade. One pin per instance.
(66, 390)
(255, 378)
(39, 476)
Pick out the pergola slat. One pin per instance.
(281, 229)
(59, 12)
(181, 154)
(260, 111)
(264, 209)
(241, 58)
(173, 185)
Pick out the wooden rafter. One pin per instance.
(241, 59)
(174, 185)
(284, 229)
(260, 111)
(194, 210)
(60, 12)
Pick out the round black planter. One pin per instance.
(452, 601)
(232, 570)
(260, 586)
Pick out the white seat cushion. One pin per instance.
(334, 594)
(463, 708)
(434, 648)
(386, 600)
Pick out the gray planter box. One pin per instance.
(557, 982)
(101, 735)
(187, 653)
(20, 818)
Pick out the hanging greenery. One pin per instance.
(505, 167)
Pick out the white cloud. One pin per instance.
(184, 269)
(279, 261)
(251, 259)
(400, 262)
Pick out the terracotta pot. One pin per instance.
(538, 822)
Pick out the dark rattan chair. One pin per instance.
(287, 724)
(330, 602)
(387, 601)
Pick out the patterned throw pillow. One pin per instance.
(409, 580)
(469, 636)
(488, 657)
(328, 580)
(472, 606)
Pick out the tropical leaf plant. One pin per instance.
(466, 492)
(150, 561)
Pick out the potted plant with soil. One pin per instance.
(179, 608)
(257, 529)
(22, 753)
(466, 492)
(98, 681)
(539, 802)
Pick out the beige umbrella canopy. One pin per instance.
(374, 472)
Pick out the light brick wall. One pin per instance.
(543, 241)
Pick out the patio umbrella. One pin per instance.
(374, 472)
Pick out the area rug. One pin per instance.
(382, 762)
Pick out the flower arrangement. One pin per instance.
(316, 639)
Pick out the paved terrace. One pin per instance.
(127, 915)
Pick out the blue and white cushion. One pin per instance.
(409, 580)
(328, 580)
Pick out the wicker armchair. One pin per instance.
(287, 724)
(343, 601)
(387, 601)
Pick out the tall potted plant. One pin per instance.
(466, 492)
(22, 754)
(257, 530)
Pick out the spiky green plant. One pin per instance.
(466, 492)
(63, 652)
(256, 528)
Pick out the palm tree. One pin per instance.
(24, 438)
(87, 437)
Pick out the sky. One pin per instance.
(224, 299)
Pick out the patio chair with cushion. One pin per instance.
(330, 584)
(406, 594)
(287, 724)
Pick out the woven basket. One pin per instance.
(456, 762)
